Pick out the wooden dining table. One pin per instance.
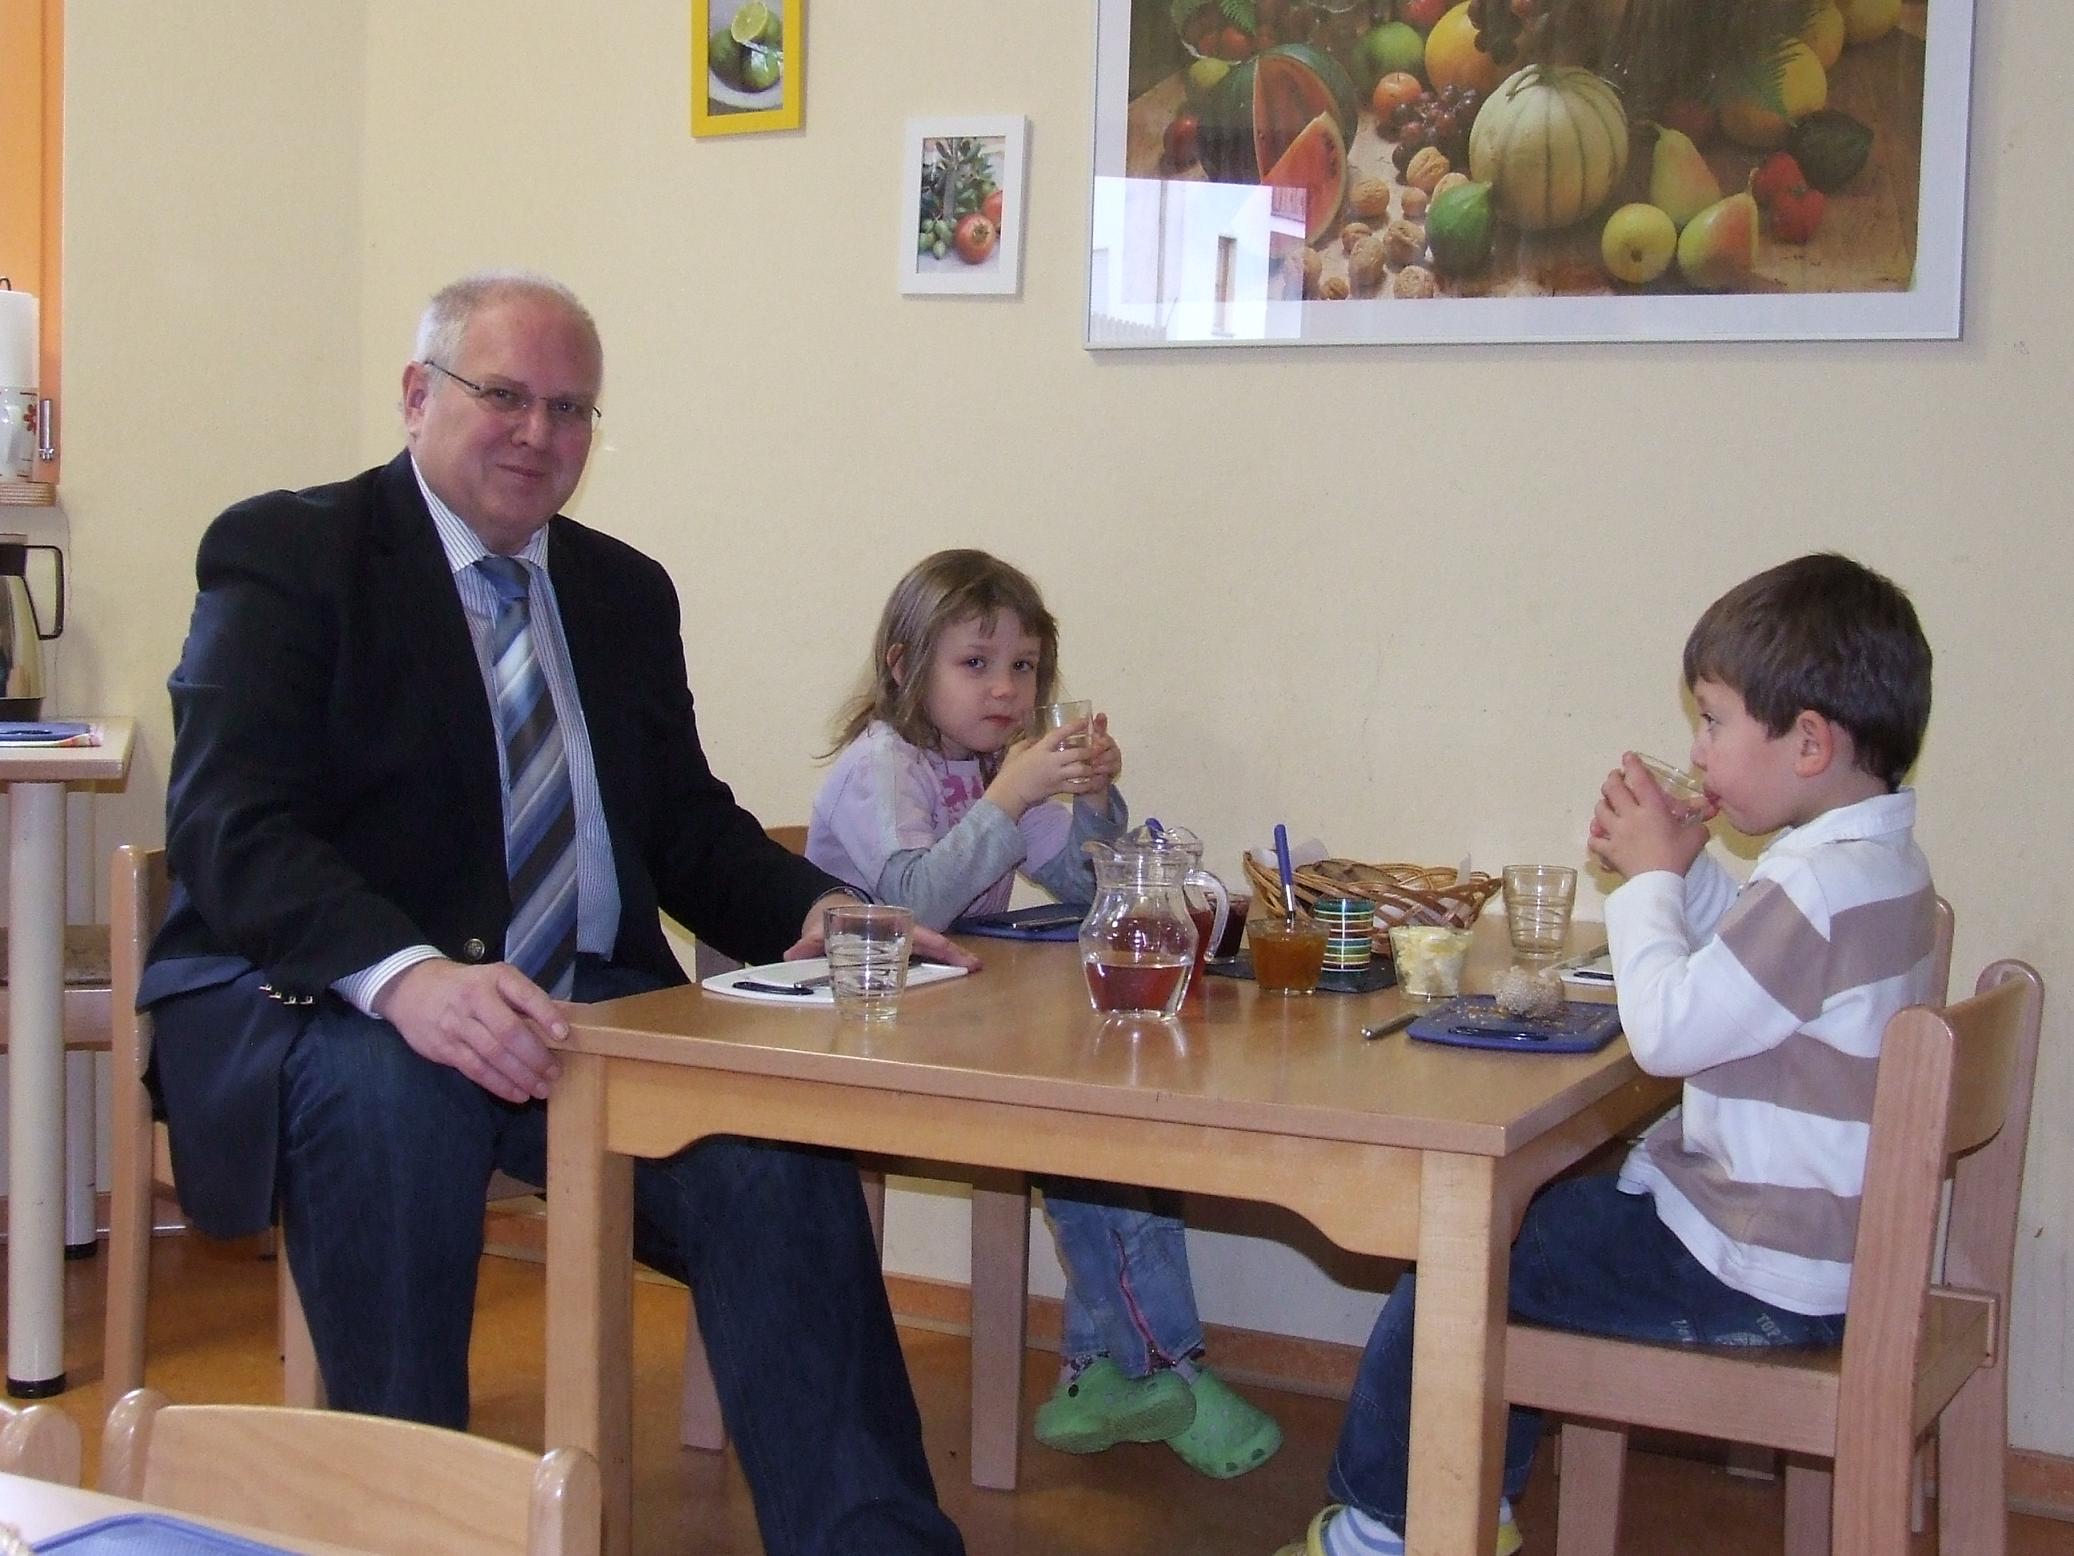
(1388, 1146)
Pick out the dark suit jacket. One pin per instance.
(334, 794)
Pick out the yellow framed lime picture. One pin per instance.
(748, 66)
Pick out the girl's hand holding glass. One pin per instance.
(1105, 764)
(1035, 770)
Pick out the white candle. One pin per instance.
(17, 340)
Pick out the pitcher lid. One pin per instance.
(1154, 838)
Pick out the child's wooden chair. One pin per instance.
(362, 1481)
(39, 1441)
(1953, 1100)
(142, 1170)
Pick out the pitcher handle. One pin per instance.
(1220, 904)
(58, 555)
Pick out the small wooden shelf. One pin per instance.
(28, 494)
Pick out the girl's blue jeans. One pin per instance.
(1128, 1291)
(1588, 1258)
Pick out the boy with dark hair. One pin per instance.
(1732, 1223)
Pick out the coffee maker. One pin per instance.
(21, 630)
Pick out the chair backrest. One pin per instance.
(1990, 1129)
(39, 1441)
(362, 1481)
(138, 889)
(1953, 1099)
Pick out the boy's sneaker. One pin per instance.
(1229, 1435)
(1100, 1407)
(1381, 1542)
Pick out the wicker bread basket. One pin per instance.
(1402, 893)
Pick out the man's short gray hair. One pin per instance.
(446, 317)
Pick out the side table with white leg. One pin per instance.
(36, 779)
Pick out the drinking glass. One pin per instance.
(1234, 936)
(867, 957)
(1687, 794)
(1538, 899)
(1057, 715)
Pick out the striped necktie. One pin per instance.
(540, 817)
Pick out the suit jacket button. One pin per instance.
(474, 950)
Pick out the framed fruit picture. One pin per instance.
(961, 216)
(748, 66)
(1295, 172)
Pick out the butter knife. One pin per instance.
(1396, 1023)
(1581, 959)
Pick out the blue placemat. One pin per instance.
(1045, 921)
(1378, 974)
(1474, 1021)
(151, 1534)
(45, 732)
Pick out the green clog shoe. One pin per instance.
(1228, 1435)
(1100, 1408)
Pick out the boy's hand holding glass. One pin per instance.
(1635, 828)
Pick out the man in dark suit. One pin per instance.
(434, 766)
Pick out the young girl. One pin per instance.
(935, 801)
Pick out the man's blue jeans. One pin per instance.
(1128, 1291)
(385, 1158)
(1588, 1258)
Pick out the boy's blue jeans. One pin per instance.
(1588, 1258)
(1128, 1291)
(384, 1160)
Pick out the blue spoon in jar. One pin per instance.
(1288, 875)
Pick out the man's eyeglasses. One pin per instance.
(516, 404)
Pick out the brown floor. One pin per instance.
(212, 1338)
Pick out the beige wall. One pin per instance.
(1496, 551)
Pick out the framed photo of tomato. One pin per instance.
(1300, 172)
(961, 221)
(748, 66)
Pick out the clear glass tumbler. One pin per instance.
(868, 946)
(1686, 792)
(1058, 715)
(1538, 900)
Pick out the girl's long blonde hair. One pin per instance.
(937, 594)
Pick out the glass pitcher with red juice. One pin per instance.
(1209, 904)
(1138, 942)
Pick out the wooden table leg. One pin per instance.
(1000, 1308)
(1457, 1394)
(590, 1291)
